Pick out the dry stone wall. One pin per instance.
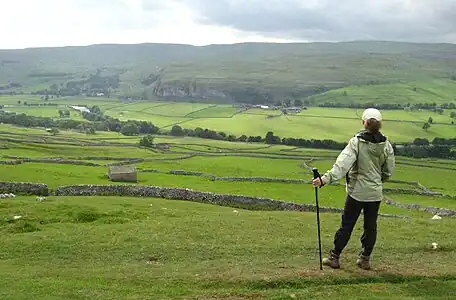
(246, 202)
(427, 209)
(55, 160)
(24, 188)
(10, 162)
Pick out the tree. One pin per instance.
(129, 129)
(243, 138)
(426, 126)
(453, 115)
(90, 130)
(176, 130)
(231, 138)
(147, 141)
(298, 103)
(271, 139)
(60, 113)
(421, 142)
(96, 110)
(287, 102)
(430, 120)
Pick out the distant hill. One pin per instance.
(250, 72)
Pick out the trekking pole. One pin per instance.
(317, 175)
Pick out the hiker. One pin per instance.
(366, 162)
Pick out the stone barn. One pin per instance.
(162, 146)
(123, 174)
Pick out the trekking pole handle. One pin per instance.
(316, 175)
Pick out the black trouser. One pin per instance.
(352, 210)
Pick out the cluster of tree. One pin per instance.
(94, 114)
(147, 141)
(384, 106)
(438, 108)
(11, 85)
(176, 130)
(422, 147)
(93, 85)
(423, 151)
(129, 128)
(419, 148)
(25, 103)
(64, 113)
(436, 142)
(269, 138)
(11, 92)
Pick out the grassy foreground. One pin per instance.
(125, 248)
(145, 248)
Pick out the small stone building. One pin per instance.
(123, 173)
(162, 146)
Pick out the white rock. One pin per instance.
(434, 245)
(436, 217)
(7, 195)
(17, 217)
(235, 211)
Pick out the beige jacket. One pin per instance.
(366, 162)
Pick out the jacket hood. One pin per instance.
(376, 142)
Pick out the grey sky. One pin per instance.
(335, 20)
(202, 22)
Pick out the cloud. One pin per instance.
(49, 23)
(335, 20)
(37, 23)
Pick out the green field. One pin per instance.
(165, 249)
(413, 92)
(116, 246)
(314, 123)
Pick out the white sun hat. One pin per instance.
(372, 113)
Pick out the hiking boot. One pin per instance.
(363, 262)
(332, 261)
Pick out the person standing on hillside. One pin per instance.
(366, 162)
